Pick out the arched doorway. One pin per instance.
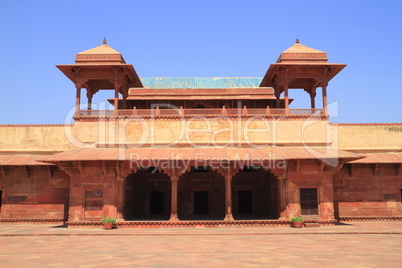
(201, 195)
(147, 195)
(254, 194)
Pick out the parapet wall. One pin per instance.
(216, 131)
(34, 138)
(367, 137)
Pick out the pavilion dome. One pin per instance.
(103, 54)
(302, 53)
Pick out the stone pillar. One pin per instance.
(173, 208)
(89, 96)
(120, 198)
(78, 99)
(116, 99)
(278, 103)
(90, 103)
(228, 197)
(282, 191)
(285, 86)
(324, 98)
(326, 205)
(312, 98)
(76, 210)
(324, 85)
(124, 102)
(286, 98)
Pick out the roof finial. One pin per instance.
(297, 39)
(104, 40)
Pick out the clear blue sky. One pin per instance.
(200, 39)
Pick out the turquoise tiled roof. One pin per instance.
(201, 82)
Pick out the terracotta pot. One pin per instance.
(297, 224)
(108, 225)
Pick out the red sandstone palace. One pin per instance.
(200, 151)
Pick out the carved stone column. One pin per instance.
(174, 172)
(286, 97)
(121, 171)
(278, 100)
(116, 99)
(282, 189)
(324, 98)
(312, 98)
(324, 85)
(78, 99)
(228, 197)
(89, 96)
(286, 88)
(173, 207)
(228, 173)
(120, 197)
(281, 174)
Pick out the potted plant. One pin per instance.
(108, 222)
(297, 222)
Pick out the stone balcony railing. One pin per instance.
(202, 112)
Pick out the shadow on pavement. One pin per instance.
(342, 223)
(60, 226)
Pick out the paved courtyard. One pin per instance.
(363, 244)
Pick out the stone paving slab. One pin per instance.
(307, 250)
(354, 244)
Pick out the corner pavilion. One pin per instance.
(200, 151)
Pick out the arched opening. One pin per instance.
(201, 195)
(147, 195)
(254, 194)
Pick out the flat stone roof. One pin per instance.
(201, 82)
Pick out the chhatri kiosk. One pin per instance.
(200, 151)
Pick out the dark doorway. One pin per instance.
(255, 194)
(309, 201)
(147, 195)
(201, 203)
(157, 203)
(245, 202)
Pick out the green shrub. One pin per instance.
(108, 220)
(300, 219)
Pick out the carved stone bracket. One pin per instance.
(351, 168)
(104, 169)
(122, 171)
(228, 170)
(3, 171)
(397, 168)
(28, 171)
(375, 168)
(298, 165)
(50, 171)
(81, 168)
(174, 171)
(280, 173)
(66, 169)
(328, 168)
(324, 79)
(340, 165)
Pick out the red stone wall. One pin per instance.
(83, 206)
(34, 193)
(371, 191)
(94, 192)
(297, 181)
